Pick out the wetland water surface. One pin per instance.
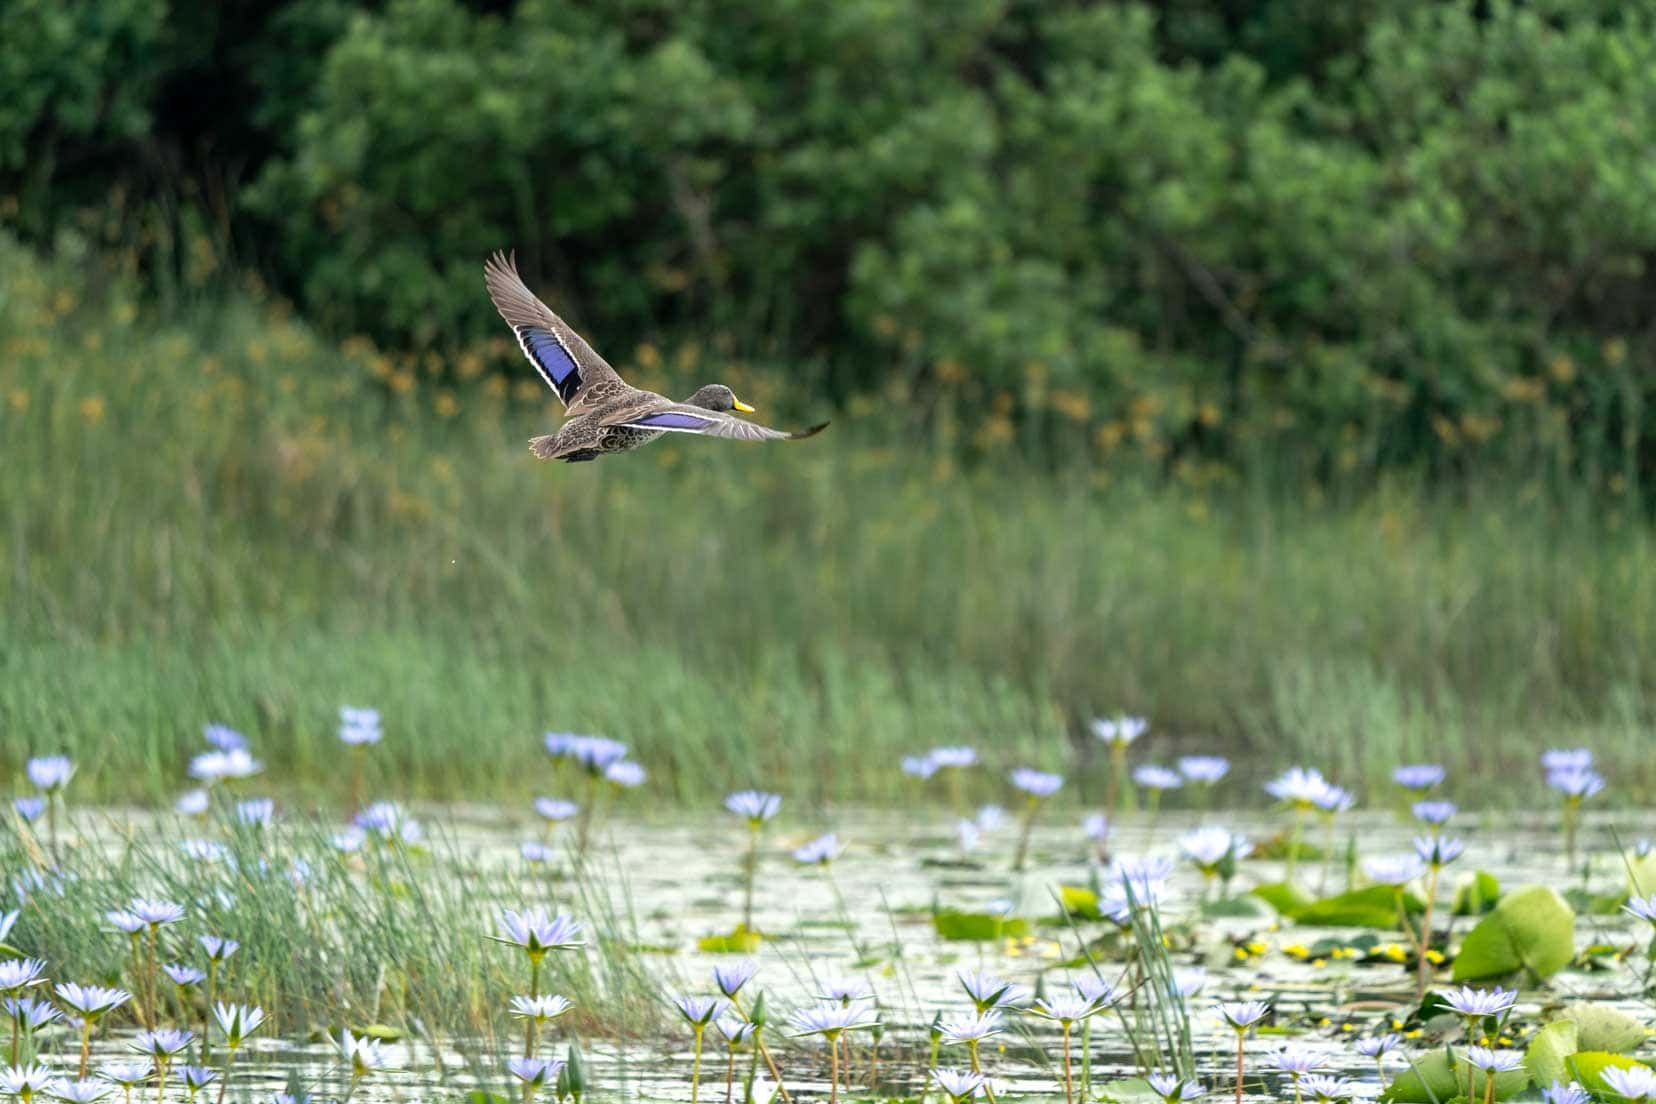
(869, 917)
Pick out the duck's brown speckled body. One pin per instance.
(606, 414)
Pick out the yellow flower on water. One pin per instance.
(18, 399)
(92, 409)
(447, 406)
(1318, 963)
(1394, 951)
(1297, 950)
(1434, 956)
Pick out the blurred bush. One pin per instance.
(1205, 235)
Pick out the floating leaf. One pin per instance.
(1475, 893)
(1243, 907)
(978, 927)
(1279, 847)
(1550, 1050)
(1531, 929)
(381, 1032)
(1430, 1080)
(1129, 1090)
(1641, 874)
(1600, 1027)
(1285, 897)
(1079, 902)
(739, 941)
(478, 1096)
(1374, 907)
(1588, 1067)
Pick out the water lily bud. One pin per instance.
(756, 1014)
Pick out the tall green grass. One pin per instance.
(220, 516)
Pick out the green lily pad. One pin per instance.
(1531, 929)
(1599, 1027)
(1079, 902)
(1285, 897)
(382, 1032)
(1429, 1080)
(1243, 907)
(1589, 1065)
(1476, 894)
(739, 941)
(478, 1096)
(1550, 1050)
(1128, 1090)
(1373, 907)
(1641, 874)
(978, 927)
(1279, 848)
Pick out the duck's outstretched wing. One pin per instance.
(683, 418)
(567, 363)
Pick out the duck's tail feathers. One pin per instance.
(544, 448)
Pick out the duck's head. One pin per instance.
(716, 396)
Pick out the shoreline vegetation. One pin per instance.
(217, 515)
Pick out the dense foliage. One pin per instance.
(1196, 234)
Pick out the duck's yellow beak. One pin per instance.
(740, 405)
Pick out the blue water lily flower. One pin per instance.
(731, 976)
(50, 773)
(1243, 1015)
(832, 1020)
(82, 1092)
(1121, 730)
(29, 1012)
(988, 991)
(183, 976)
(1494, 1061)
(1394, 870)
(754, 806)
(919, 766)
(1419, 776)
(1467, 1001)
(17, 974)
(1153, 777)
(541, 1009)
(1435, 813)
(820, 851)
(359, 727)
(973, 1029)
(538, 933)
(162, 1044)
(91, 1002)
(30, 809)
(555, 809)
(1635, 1083)
(1438, 851)
(535, 1073)
(1035, 783)
(958, 1085)
(223, 738)
(1378, 1046)
(1172, 1088)
(1204, 770)
(1561, 1093)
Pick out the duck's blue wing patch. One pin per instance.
(552, 359)
(672, 419)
